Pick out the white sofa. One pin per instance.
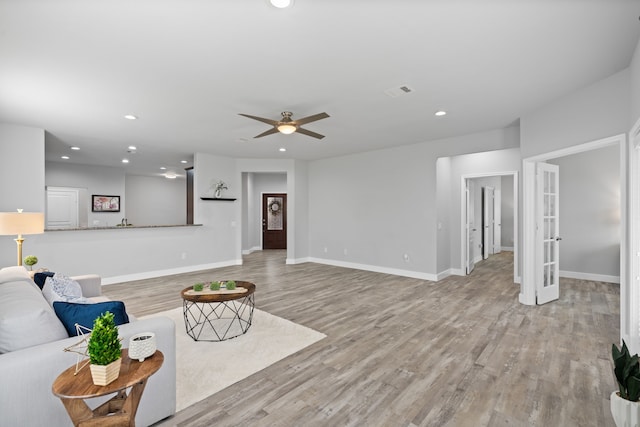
(26, 374)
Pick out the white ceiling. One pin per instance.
(188, 67)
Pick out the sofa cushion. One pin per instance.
(10, 274)
(71, 313)
(26, 319)
(41, 277)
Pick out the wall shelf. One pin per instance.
(219, 198)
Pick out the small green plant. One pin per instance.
(627, 370)
(198, 287)
(230, 285)
(215, 286)
(30, 260)
(104, 345)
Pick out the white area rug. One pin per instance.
(269, 339)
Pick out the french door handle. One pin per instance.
(558, 238)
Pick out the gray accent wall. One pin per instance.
(590, 212)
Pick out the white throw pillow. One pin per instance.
(62, 288)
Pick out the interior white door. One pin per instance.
(62, 208)
(497, 222)
(470, 227)
(487, 221)
(547, 233)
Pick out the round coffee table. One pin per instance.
(218, 315)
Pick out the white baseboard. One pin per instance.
(590, 276)
(168, 272)
(507, 248)
(293, 261)
(251, 250)
(376, 269)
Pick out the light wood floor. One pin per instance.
(407, 352)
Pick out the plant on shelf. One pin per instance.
(625, 407)
(104, 349)
(214, 286)
(198, 287)
(230, 285)
(30, 260)
(217, 188)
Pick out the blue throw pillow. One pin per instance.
(71, 313)
(40, 278)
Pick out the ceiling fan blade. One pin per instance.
(308, 133)
(310, 119)
(261, 119)
(265, 133)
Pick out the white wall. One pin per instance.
(634, 71)
(382, 204)
(590, 213)
(22, 173)
(99, 180)
(155, 200)
(595, 112)
(508, 209)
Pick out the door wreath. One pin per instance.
(275, 207)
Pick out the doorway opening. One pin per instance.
(489, 218)
(533, 268)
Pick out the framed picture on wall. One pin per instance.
(100, 203)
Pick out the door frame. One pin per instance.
(488, 222)
(516, 218)
(629, 292)
(528, 285)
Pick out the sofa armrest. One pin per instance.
(91, 285)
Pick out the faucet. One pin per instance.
(123, 222)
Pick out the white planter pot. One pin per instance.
(625, 413)
(142, 345)
(105, 374)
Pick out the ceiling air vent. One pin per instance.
(395, 92)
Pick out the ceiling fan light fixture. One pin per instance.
(286, 128)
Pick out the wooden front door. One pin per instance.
(274, 221)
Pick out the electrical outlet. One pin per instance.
(406, 257)
(183, 255)
(345, 251)
(326, 250)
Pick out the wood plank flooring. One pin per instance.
(407, 352)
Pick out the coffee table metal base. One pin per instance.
(218, 321)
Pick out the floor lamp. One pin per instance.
(20, 223)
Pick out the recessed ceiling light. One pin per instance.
(183, 161)
(125, 160)
(131, 117)
(281, 4)
(132, 147)
(283, 149)
(440, 113)
(170, 175)
(75, 148)
(65, 157)
(163, 168)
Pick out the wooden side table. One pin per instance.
(119, 410)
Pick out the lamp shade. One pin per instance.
(21, 223)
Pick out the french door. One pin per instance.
(547, 233)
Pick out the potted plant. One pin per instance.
(625, 407)
(30, 260)
(104, 350)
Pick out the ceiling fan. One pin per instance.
(287, 125)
